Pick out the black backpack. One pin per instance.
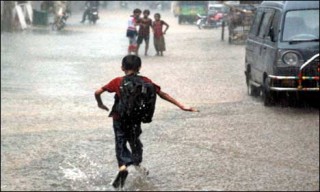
(137, 99)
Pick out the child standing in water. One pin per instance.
(132, 31)
(159, 43)
(144, 31)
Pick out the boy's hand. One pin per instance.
(189, 109)
(102, 106)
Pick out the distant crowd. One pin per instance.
(139, 30)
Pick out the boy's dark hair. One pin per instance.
(146, 11)
(136, 11)
(131, 62)
(157, 14)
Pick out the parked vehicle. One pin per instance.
(201, 21)
(282, 50)
(187, 11)
(222, 9)
(209, 21)
(93, 15)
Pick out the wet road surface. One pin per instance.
(53, 136)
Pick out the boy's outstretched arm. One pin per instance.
(168, 98)
(97, 95)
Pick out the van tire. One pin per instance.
(251, 89)
(267, 95)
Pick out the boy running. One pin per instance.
(129, 130)
(144, 31)
(158, 40)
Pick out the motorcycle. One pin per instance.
(218, 18)
(60, 19)
(124, 4)
(156, 5)
(209, 21)
(93, 15)
(201, 21)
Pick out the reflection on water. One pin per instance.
(47, 102)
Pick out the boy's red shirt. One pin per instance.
(114, 85)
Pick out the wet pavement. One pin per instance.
(53, 136)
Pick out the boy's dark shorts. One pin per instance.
(131, 34)
(141, 38)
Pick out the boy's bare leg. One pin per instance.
(161, 53)
(137, 50)
(130, 42)
(146, 49)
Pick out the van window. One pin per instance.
(256, 23)
(301, 25)
(274, 27)
(265, 23)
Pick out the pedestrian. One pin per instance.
(89, 5)
(129, 130)
(159, 42)
(57, 5)
(132, 31)
(145, 24)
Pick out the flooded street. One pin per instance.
(54, 137)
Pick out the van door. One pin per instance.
(269, 48)
(261, 49)
(253, 43)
